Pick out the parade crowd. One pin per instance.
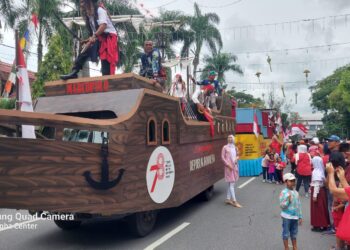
(323, 170)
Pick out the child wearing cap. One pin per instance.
(291, 211)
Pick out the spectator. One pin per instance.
(343, 231)
(303, 162)
(230, 159)
(291, 211)
(319, 209)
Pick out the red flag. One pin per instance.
(25, 99)
(35, 20)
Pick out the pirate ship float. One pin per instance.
(111, 145)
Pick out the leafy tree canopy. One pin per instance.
(245, 100)
(56, 61)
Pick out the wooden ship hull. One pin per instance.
(57, 175)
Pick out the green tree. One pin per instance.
(294, 117)
(332, 97)
(56, 61)
(203, 29)
(245, 100)
(45, 10)
(221, 63)
(6, 103)
(339, 99)
(321, 92)
(8, 12)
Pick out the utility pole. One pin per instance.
(18, 107)
(188, 75)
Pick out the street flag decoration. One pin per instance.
(298, 129)
(256, 125)
(24, 43)
(25, 98)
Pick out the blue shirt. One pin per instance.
(215, 82)
(291, 209)
(151, 63)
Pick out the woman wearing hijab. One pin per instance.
(230, 158)
(303, 162)
(319, 206)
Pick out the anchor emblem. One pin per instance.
(105, 183)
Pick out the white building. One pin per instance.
(313, 123)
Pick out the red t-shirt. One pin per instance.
(304, 164)
(277, 146)
(325, 159)
(347, 190)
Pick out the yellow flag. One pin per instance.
(23, 43)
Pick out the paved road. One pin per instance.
(212, 225)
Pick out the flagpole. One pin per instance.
(16, 82)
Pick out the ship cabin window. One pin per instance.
(49, 132)
(165, 132)
(152, 131)
(76, 135)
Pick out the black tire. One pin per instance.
(142, 223)
(68, 224)
(207, 194)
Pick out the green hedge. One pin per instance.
(6, 103)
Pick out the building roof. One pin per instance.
(5, 70)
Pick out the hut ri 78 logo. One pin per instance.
(160, 175)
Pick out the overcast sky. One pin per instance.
(287, 65)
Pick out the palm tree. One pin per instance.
(9, 13)
(221, 63)
(47, 21)
(202, 30)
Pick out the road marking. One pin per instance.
(246, 183)
(18, 224)
(167, 236)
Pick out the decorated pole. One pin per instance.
(16, 81)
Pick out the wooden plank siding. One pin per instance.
(48, 174)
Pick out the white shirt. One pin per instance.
(104, 18)
(177, 90)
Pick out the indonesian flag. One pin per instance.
(298, 129)
(25, 98)
(256, 126)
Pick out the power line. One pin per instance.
(294, 49)
(217, 6)
(13, 47)
(323, 18)
(302, 62)
(168, 3)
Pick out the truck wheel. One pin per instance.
(68, 224)
(142, 223)
(207, 194)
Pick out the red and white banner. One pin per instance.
(256, 129)
(298, 129)
(25, 98)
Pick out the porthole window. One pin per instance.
(152, 132)
(166, 132)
